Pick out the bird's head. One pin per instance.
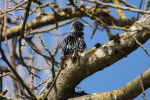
(77, 26)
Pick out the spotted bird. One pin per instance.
(74, 42)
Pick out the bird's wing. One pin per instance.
(67, 45)
(66, 41)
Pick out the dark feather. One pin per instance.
(74, 42)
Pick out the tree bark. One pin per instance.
(78, 67)
(128, 92)
(41, 21)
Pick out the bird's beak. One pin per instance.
(86, 24)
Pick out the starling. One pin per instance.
(74, 42)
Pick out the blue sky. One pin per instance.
(110, 78)
(121, 72)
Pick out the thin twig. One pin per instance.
(53, 8)
(93, 32)
(5, 31)
(52, 57)
(52, 63)
(4, 92)
(14, 16)
(35, 87)
(55, 13)
(13, 8)
(17, 3)
(139, 8)
(141, 83)
(4, 74)
(6, 98)
(36, 49)
(127, 4)
(52, 84)
(147, 5)
(56, 49)
(110, 35)
(119, 11)
(16, 74)
(54, 27)
(32, 70)
(35, 9)
(120, 7)
(91, 25)
(141, 46)
(119, 28)
(21, 36)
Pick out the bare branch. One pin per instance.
(92, 17)
(13, 8)
(70, 13)
(5, 31)
(120, 11)
(124, 8)
(98, 58)
(128, 92)
(127, 4)
(7, 98)
(4, 74)
(141, 46)
(147, 5)
(141, 83)
(35, 87)
(53, 27)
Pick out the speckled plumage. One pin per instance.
(74, 42)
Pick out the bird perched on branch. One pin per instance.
(74, 42)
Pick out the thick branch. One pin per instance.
(120, 11)
(79, 67)
(121, 7)
(13, 8)
(69, 13)
(128, 92)
(6, 98)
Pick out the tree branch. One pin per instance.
(128, 92)
(69, 13)
(80, 66)
(6, 98)
(121, 7)
(13, 8)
